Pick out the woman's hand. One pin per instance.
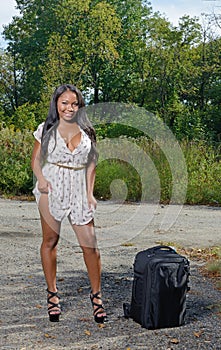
(44, 185)
(92, 203)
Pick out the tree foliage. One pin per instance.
(114, 51)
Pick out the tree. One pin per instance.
(86, 45)
(114, 51)
(8, 84)
(123, 80)
(28, 36)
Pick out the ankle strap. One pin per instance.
(53, 294)
(96, 295)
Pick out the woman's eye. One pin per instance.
(74, 104)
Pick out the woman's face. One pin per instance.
(67, 105)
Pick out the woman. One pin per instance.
(63, 161)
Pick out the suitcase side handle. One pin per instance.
(164, 248)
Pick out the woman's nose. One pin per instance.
(70, 108)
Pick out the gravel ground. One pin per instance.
(122, 230)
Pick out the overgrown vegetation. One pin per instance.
(119, 52)
(15, 157)
(118, 179)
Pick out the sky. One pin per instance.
(171, 9)
(6, 13)
(174, 9)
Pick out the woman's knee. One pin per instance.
(50, 241)
(89, 251)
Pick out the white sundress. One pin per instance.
(68, 196)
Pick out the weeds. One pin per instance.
(203, 167)
(15, 159)
(139, 170)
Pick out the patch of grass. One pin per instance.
(214, 267)
(127, 244)
(210, 256)
(204, 173)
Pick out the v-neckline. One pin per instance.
(65, 144)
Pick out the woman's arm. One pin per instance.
(43, 184)
(91, 173)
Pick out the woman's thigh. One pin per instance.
(50, 226)
(86, 235)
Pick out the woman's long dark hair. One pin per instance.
(52, 121)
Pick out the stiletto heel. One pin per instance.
(99, 308)
(55, 307)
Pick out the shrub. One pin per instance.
(139, 170)
(15, 155)
(204, 173)
(203, 167)
(125, 170)
(117, 180)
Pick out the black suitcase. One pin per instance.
(159, 290)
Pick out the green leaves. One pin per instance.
(15, 155)
(115, 51)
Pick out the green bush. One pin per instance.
(24, 117)
(15, 156)
(121, 175)
(126, 170)
(162, 166)
(117, 180)
(203, 167)
(204, 173)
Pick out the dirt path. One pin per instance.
(122, 231)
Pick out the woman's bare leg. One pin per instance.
(50, 231)
(87, 240)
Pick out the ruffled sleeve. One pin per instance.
(38, 133)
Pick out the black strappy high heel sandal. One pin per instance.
(55, 307)
(99, 308)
